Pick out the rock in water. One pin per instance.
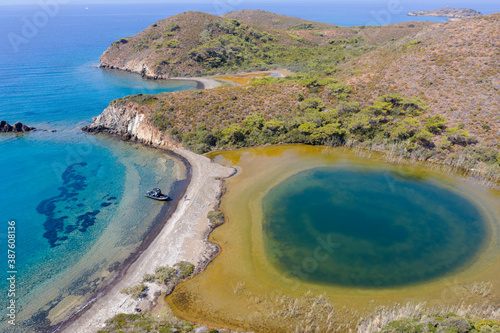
(17, 128)
(5, 127)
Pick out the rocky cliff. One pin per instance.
(130, 123)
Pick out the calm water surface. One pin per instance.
(372, 228)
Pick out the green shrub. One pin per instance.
(411, 43)
(312, 103)
(141, 46)
(136, 291)
(184, 269)
(173, 43)
(459, 136)
(435, 124)
(340, 91)
(172, 27)
(349, 107)
(303, 26)
(265, 81)
(425, 139)
(274, 125)
(406, 129)
(164, 274)
(255, 121)
(143, 99)
(232, 134)
(331, 132)
(307, 128)
(347, 41)
(216, 218)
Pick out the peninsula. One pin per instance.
(459, 13)
(419, 90)
(407, 85)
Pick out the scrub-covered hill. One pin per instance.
(433, 94)
(454, 67)
(196, 44)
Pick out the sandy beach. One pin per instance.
(203, 82)
(182, 239)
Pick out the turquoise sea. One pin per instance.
(77, 198)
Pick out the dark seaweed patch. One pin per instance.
(73, 183)
(87, 220)
(114, 266)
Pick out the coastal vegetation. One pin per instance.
(170, 275)
(163, 275)
(216, 218)
(136, 291)
(317, 110)
(351, 88)
(147, 323)
(316, 313)
(410, 317)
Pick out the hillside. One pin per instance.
(373, 35)
(430, 95)
(196, 44)
(323, 33)
(276, 21)
(448, 12)
(453, 67)
(300, 109)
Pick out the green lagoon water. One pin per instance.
(359, 228)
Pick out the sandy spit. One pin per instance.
(203, 82)
(182, 238)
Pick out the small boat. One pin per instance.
(156, 194)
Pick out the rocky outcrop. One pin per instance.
(16, 128)
(448, 12)
(127, 121)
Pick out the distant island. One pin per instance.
(448, 12)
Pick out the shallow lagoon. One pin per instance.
(369, 228)
(247, 287)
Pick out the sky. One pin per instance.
(439, 3)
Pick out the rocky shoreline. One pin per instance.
(129, 123)
(202, 82)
